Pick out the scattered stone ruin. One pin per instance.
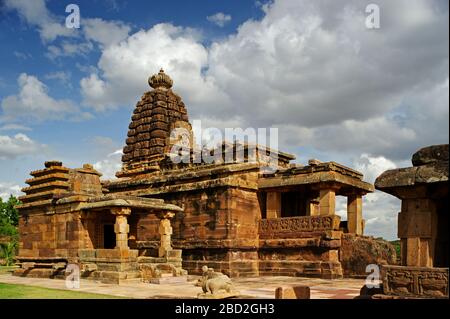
(160, 218)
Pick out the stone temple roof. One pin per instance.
(316, 173)
(156, 114)
(430, 165)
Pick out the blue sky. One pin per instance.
(335, 89)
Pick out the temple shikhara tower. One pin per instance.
(156, 115)
(161, 218)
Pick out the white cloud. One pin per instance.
(14, 127)
(22, 56)
(313, 64)
(380, 210)
(36, 13)
(8, 189)
(69, 49)
(372, 167)
(20, 144)
(51, 27)
(219, 19)
(110, 165)
(33, 102)
(62, 76)
(124, 67)
(105, 32)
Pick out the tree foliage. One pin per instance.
(9, 216)
(8, 211)
(9, 220)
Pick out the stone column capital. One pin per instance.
(125, 211)
(165, 215)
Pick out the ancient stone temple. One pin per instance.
(422, 225)
(162, 215)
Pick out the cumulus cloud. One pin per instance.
(110, 165)
(20, 144)
(124, 67)
(36, 14)
(331, 83)
(105, 32)
(372, 167)
(33, 102)
(219, 19)
(380, 210)
(8, 189)
(77, 41)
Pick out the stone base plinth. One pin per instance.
(111, 266)
(296, 268)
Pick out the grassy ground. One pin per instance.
(8, 291)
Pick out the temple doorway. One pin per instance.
(109, 236)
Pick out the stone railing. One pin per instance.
(424, 282)
(291, 227)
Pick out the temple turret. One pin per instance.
(157, 113)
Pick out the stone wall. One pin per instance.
(54, 235)
(218, 228)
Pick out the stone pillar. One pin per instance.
(121, 227)
(327, 200)
(416, 227)
(90, 240)
(273, 206)
(354, 214)
(165, 231)
(313, 207)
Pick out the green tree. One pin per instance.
(8, 211)
(9, 220)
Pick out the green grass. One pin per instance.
(9, 291)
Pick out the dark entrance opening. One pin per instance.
(109, 237)
(293, 204)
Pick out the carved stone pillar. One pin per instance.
(355, 222)
(273, 206)
(121, 227)
(165, 231)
